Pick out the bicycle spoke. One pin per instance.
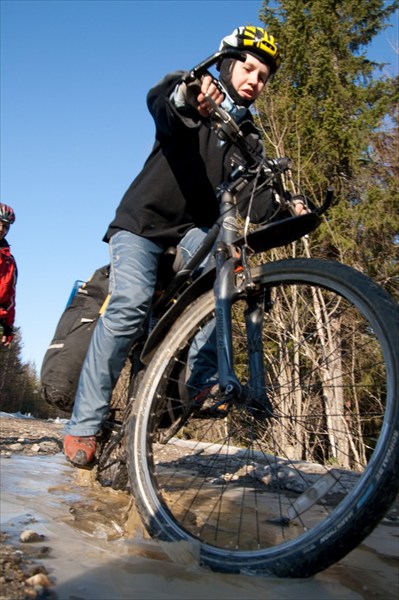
(254, 482)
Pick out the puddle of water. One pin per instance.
(101, 552)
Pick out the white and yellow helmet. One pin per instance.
(254, 40)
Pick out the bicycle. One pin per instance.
(296, 460)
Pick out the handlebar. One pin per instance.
(202, 69)
(220, 121)
(227, 130)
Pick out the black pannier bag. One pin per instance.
(64, 357)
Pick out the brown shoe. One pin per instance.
(80, 450)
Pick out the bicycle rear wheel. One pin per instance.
(286, 495)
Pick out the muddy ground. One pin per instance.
(23, 574)
(24, 553)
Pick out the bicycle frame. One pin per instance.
(223, 242)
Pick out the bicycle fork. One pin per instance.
(225, 291)
(254, 314)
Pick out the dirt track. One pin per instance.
(22, 560)
(23, 572)
(29, 436)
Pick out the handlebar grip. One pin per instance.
(278, 165)
(202, 69)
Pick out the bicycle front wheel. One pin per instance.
(290, 493)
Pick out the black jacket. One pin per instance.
(176, 189)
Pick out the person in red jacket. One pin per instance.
(8, 278)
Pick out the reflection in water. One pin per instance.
(101, 552)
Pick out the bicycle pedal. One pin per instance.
(210, 402)
(207, 405)
(217, 411)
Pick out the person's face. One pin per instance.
(249, 78)
(4, 227)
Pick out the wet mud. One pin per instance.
(96, 548)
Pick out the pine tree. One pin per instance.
(327, 109)
(332, 111)
(19, 385)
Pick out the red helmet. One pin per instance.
(7, 214)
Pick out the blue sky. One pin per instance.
(75, 130)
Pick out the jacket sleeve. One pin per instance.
(167, 117)
(7, 295)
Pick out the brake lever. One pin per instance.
(222, 123)
(195, 75)
(227, 130)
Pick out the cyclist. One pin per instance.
(171, 202)
(8, 278)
